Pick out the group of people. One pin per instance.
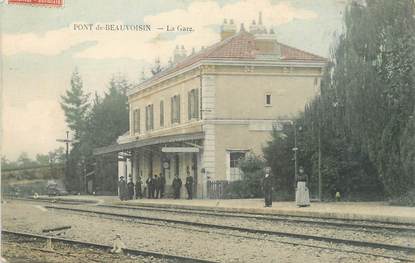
(302, 195)
(154, 188)
(125, 190)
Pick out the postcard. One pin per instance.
(207, 131)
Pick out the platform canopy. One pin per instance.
(148, 141)
(180, 149)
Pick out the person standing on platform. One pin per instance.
(162, 184)
(156, 186)
(177, 185)
(150, 186)
(189, 185)
(267, 187)
(302, 195)
(130, 188)
(122, 189)
(138, 192)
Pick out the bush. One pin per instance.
(251, 184)
(407, 199)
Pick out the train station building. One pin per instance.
(210, 108)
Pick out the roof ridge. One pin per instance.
(300, 50)
(235, 47)
(210, 49)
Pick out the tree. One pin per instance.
(279, 155)
(106, 120)
(57, 156)
(42, 159)
(109, 115)
(75, 105)
(24, 160)
(6, 164)
(358, 132)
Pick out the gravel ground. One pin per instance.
(16, 250)
(384, 236)
(161, 238)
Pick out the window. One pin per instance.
(149, 118)
(136, 121)
(175, 109)
(193, 104)
(235, 157)
(161, 113)
(268, 99)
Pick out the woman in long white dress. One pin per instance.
(302, 195)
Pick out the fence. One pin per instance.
(216, 189)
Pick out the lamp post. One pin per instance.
(319, 166)
(295, 149)
(66, 141)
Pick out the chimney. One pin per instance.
(265, 43)
(179, 54)
(183, 52)
(261, 29)
(260, 18)
(227, 30)
(242, 28)
(253, 28)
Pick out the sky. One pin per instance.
(40, 48)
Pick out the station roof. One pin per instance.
(147, 142)
(241, 46)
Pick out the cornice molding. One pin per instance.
(209, 66)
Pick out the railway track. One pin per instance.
(330, 240)
(104, 248)
(50, 200)
(359, 224)
(349, 223)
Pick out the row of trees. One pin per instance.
(24, 161)
(359, 133)
(94, 122)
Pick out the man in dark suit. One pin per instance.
(122, 189)
(130, 187)
(138, 191)
(189, 185)
(150, 186)
(162, 180)
(267, 187)
(156, 186)
(177, 185)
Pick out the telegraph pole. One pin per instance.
(319, 166)
(67, 141)
(295, 149)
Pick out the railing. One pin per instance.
(216, 189)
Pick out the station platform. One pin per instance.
(368, 211)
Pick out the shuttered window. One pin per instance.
(136, 120)
(161, 113)
(149, 117)
(193, 104)
(175, 109)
